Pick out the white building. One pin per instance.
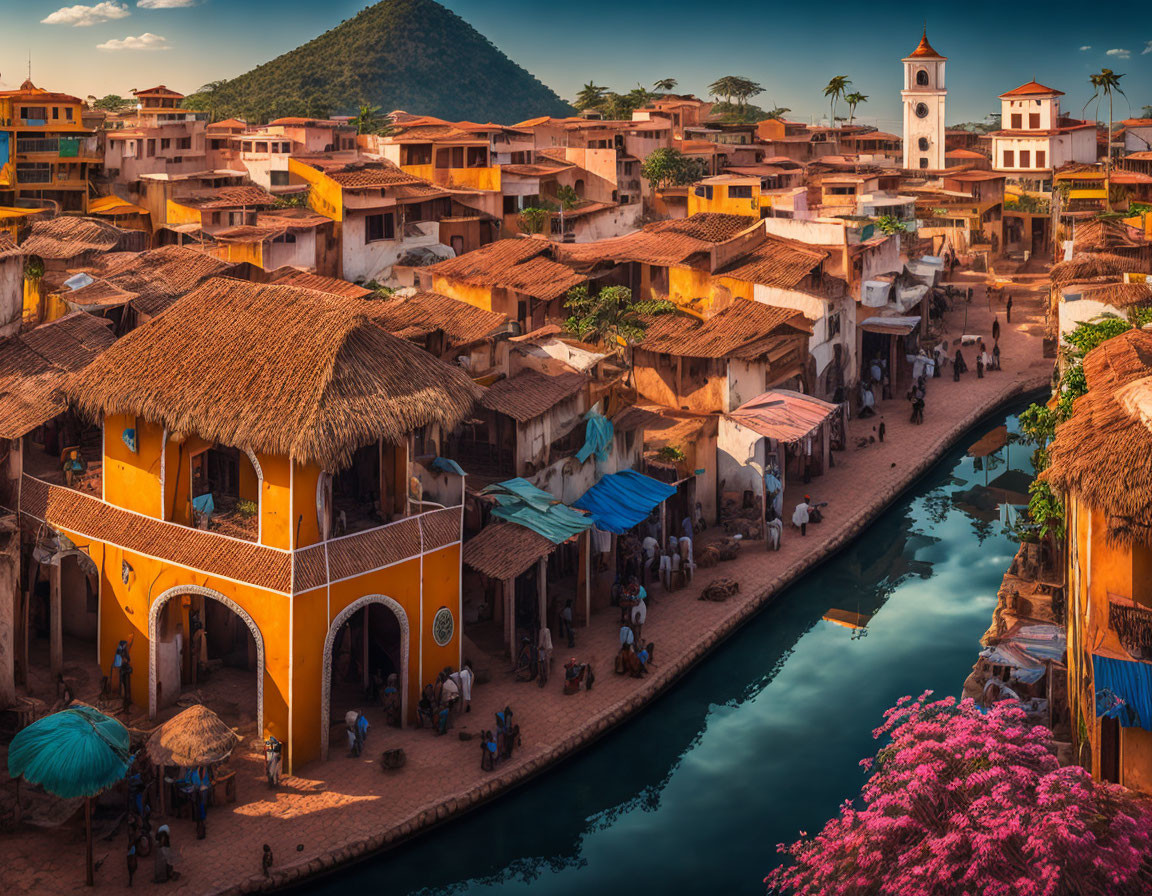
(1137, 134)
(1035, 138)
(923, 97)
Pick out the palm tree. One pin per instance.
(725, 87)
(367, 119)
(853, 100)
(590, 96)
(567, 198)
(777, 112)
(836, 88)
(665, 84)
(1105, 82)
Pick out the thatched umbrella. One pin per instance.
(195, 737)
(77, 752)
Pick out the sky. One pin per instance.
(792, 49)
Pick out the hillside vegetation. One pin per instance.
(413, 55)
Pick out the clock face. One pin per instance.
(443, 626)
(921, 110)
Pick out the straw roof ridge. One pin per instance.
(276, 369)
(1087, 266)
(197, 736)
(1102, 455)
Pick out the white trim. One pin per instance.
(200, 591)
(460, 584)
(291, 603)
(259, 495)
(366, 572)
(103, 459)
(326, 659)
(164, 474)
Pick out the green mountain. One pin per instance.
(413, 55)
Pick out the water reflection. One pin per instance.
(757, 743)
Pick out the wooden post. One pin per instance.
(588, 578)
(56, 622)
(510, 615)
(542, 591)
(88, 837)
(364, 671)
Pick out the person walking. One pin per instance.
(958, 366)
(1008, 309)
(800, 516)
(979, 367)
(566, 623)
(995, 328)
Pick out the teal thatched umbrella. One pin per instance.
(77, 752)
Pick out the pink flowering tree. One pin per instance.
(971, 803)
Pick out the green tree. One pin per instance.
(591, 96)
(671, 168)
(725, 87)
(213, 96)
(890, 224)
(567, 198)
(110, 103)
(534, 219)
(367, 119)
(853, 100)
(609, 317)
(836, 88)
(745, 89)
(1104, 83)
(667, 84)
(777, 112)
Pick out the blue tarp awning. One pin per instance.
(520, 502)
(1129, 681)
(622, 500)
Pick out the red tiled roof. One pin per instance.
(530, 393)
(744, 329)
(784, 415)
(775, 262)
(662, 243)
(67, 237)
(523, 265)
(1032, 88)
(924, 50)
(157, 91)
(227, 197)
(426, 312)
(330, 285)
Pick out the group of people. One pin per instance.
(534, 657)
(498, 745)
(645, 560)
(452, 691)
(633, 657)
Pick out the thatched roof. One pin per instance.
(67, 237)
(505, 550)
(1103, 454)
(276, 369)
(1090, 266)
(1118, 295)
(1102, 234)
(531, 393)
(195, 737)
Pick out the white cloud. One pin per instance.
(164, 4)
(82, 16)
(1085, 48)
(1147, 49)
(146, 41)
(1119, 54)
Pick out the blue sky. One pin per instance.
(112, 46)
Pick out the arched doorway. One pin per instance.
(370, 634)
(232, 641)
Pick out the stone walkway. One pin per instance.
(334, 811)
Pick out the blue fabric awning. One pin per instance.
(1131, 683)
(522, 503)
(622, 500)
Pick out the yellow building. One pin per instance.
(1101, 462)
(259, 456)
(45, 150)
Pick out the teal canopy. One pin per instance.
(520, 502)
(77, 752)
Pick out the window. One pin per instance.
(287, 237)
(736, 192)
(151, 148)
(34, 113)
(1041, 158)
(922, 78)
(1017, 121)
(1034, 120)
(215, 144)
(510, 205)
(55, 112)
(379, 227)
(417, 154)
(921, 110)
(923, 162)
(68, 113)
(165, 143)
(278, 178)
(1009, 159)
(235, 219)
(923, 144)
(1025, 158)
(184, 143)
(704, 192)
(833, 325)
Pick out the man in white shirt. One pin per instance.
(639, 616)
(800, 516)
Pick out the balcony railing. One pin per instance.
(45, 144)
(199, 550)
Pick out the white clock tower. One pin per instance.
(923, 95)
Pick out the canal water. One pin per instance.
(762, 740)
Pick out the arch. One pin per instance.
(153, 660)
(259, 494)
(326, 660)
(922, 77)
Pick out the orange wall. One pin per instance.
(479, 296)
(305, 524)
(709, 295)
(275, 512)
(132, 479)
